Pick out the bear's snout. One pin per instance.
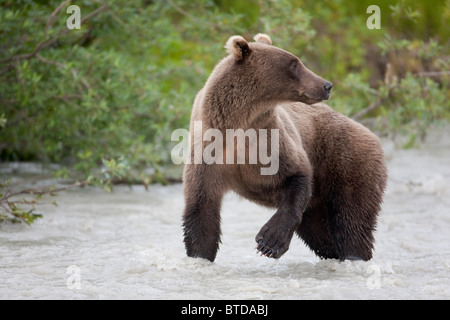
(327, 87)
(314, 88)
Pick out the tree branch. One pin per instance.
(432, 74)
(375, 104)
(184, 13)
(370, 108)
(40, 191)
(41, 58)
(49, 20)
(47, 43)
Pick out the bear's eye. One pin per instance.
(294, 70)
(294, 66)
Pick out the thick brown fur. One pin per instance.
(331, 176)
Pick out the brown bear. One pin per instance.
(331, 172)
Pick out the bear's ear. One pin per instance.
(263, 38)
(238, 47)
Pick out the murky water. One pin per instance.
(128, 245)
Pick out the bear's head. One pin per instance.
(273, 73)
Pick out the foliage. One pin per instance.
(10, 209)
(18, 204)
(108, 96)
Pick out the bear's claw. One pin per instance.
(275, 236)
(263, 249)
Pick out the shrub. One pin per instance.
(114, 90)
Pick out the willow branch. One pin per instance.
(370, 108)
(47, 43)
(176, 7)
(49, 20)
(40, 191)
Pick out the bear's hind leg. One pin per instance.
(337, 234)
(352, 229)
(315, 232)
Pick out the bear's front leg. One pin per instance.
(201, 224)
(201, 218)
(275, 236)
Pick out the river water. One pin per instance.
(128, 245)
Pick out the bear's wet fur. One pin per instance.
(332, 173)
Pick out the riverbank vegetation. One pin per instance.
(102, 101)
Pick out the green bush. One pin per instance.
(116, 88)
